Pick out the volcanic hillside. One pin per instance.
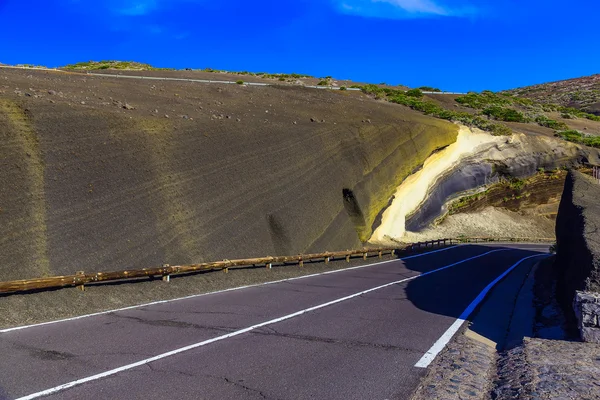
(580, 93)
(106, 173)
(103, 173)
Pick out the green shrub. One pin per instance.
(578, 137)
(505, 114)
(414, 93)
(429, 89)
(430, 108)
(281, 79)
(542, 120)
(323, 83)
(483, 100)
(343, 88)
(240, 82)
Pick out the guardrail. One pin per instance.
(80, 279)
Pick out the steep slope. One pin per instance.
(581, 93)
(103, 173)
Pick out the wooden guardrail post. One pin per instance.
(165, 276)
(348, 258)
(381, 254)
(365, 256)
(79, 276)
(300, 261)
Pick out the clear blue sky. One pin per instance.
(452, 44)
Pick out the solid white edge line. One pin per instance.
(18, 328)
(238, 332)
(439, 345)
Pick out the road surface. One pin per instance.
(361, 333)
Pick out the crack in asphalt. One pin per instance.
(241, 385)
(346, 343)
(197, 312)
(174, 324)
(221, 378)
(44, 354)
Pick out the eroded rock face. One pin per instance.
(577, 238)
(477, 159)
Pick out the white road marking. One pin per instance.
(445, 338)
(239, 332)
(18, 328)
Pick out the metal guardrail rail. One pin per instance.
(80, 279)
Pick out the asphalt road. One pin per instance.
(351, 334)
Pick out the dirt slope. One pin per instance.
(582, 93)
(95, 176)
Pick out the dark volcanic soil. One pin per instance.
(105, 173)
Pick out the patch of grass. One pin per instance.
(580, 138)
(542, 120)
(516, 184)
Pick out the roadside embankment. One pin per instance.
(105, 174)
(578, 253)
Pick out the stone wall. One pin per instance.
(587, 311)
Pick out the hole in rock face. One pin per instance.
(279, 235)
(353, 209)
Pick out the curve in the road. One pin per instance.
(371, 311)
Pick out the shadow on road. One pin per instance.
(507, 312)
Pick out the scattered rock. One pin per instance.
(166, 116)
(52, 92)
(155, 111)
(128, 107)
(27, 94)
(185, 117)
(295, 123)
(83, 102)
(238, 120)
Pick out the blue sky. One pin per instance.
(452, 44)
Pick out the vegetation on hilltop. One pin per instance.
(582, 94)
(575, 136)
(414, 99)
(112, 64)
